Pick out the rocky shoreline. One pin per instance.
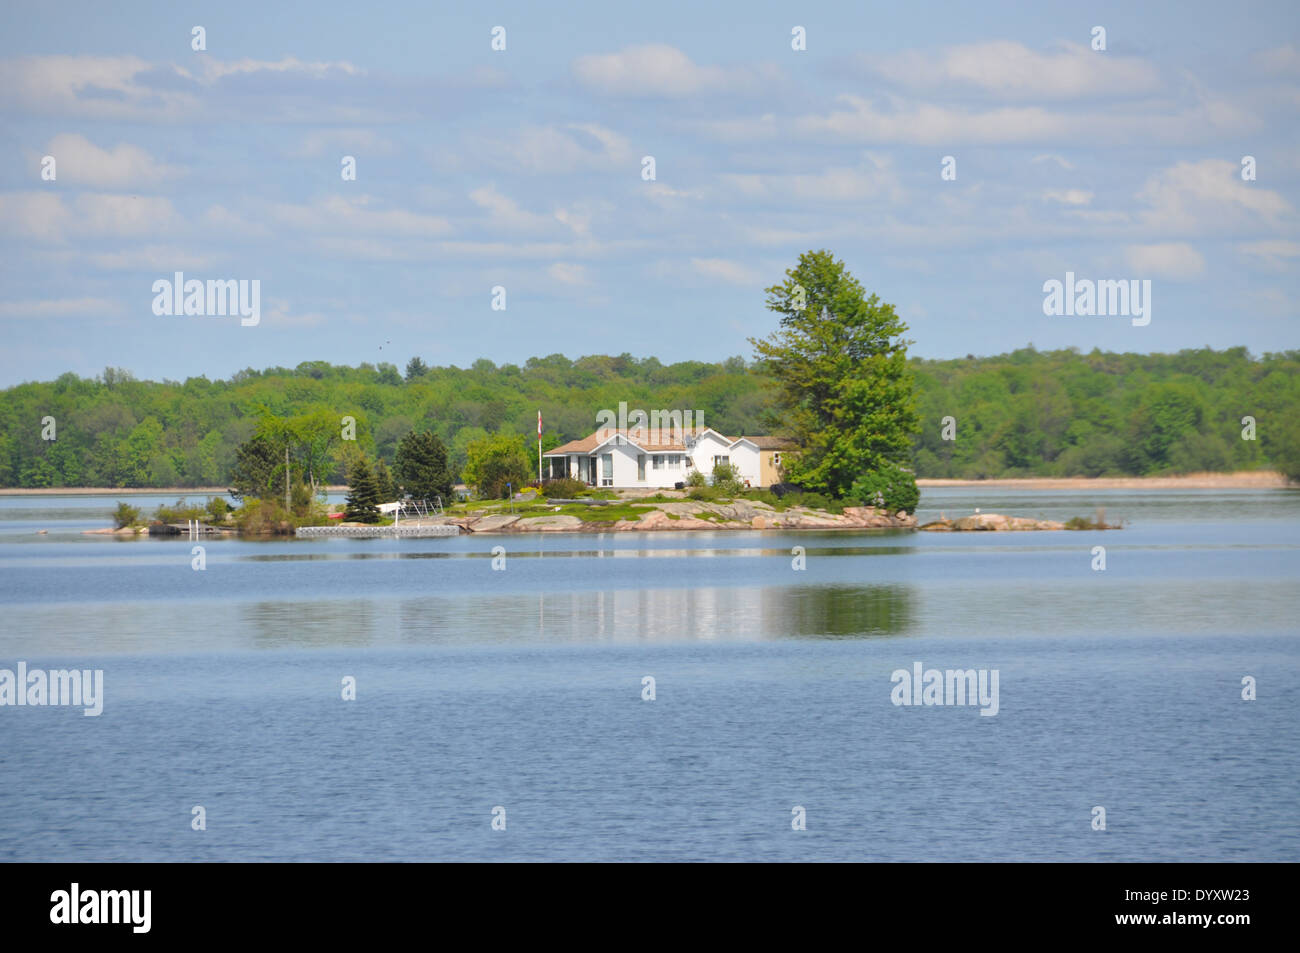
(990, 522)
(691, 515)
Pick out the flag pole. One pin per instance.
(539, 447)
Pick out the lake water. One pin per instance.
(522, 689)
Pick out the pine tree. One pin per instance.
(421, 466)
(363, 494)
(840, 363)
(384, 482)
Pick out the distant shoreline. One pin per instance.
(132, 491)
(1241, 480)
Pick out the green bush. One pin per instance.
(126, 515)
(726, 479)
(217, 509)
(566, 488)
(697, 478)
(180, 512)
(705, 493)
(263, 518)
(891, 488)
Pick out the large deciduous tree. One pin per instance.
(495, 461)
(839, 360)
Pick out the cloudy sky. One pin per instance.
(522, 168)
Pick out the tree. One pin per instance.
(496, 461)
(844, 392)
(1286, 449)
(384, 482)
(415, 368)
(257, 463)
(363, 494)
(313, 436)
(421, 466)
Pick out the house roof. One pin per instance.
(591, 443)
(772, 443)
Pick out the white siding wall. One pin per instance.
(745, 457)
(706, 448)
(624, 454)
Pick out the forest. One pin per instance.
(1026, 413)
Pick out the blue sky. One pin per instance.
(522, 168)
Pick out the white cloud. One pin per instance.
(128, 87)
(569, 273)
(656, 70)
(1273, 253)
(721, 269)
(281, 314)
(561, 149)
(44, 216)
(1192, 197)
(1068, 196)
(160, 258)
(220, 217)
(81, 162)
(1059, 160)
(356, 142)
(1010, 70)
(349, 215)
(504, 212)
(1280, 59)
(873, 179)
(1166, 260)
(58, 308)
(898, 120)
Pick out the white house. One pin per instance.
(627, 459)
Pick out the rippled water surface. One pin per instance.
(522, 688)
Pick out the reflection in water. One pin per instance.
(625, 615)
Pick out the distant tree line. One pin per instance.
(1027, 413)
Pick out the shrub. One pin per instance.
(180, 512)
(126, 515)
(566, 488)
(891, 488)
(696, 478)
(263, 517)
(217, 509)
(726, 479)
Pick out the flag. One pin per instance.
(539, 425)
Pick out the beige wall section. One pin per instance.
(767, 467)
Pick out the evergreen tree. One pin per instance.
(363, 494)
(258, 464)
(415, 368)
(839, 360)
(421, 466)
(384, 482)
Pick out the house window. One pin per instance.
(657, 462)
(607, 469)
(720, 461)
(640, 467)
(776, 459)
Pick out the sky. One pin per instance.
(524, 168)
